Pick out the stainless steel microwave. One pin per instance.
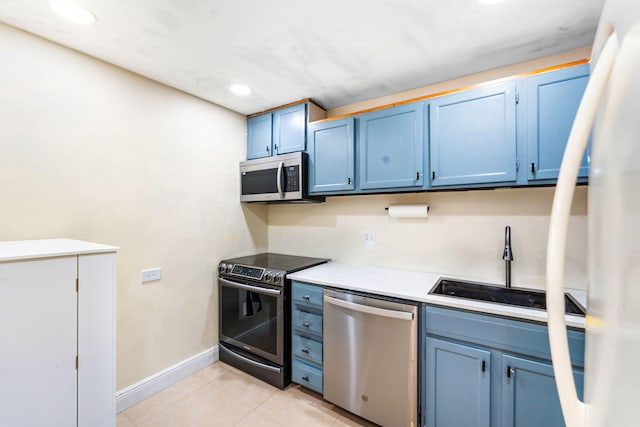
(281, 178)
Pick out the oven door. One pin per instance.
(252, 318)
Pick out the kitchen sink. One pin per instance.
(497, 294)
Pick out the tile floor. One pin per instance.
(220, 395)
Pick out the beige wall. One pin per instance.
(463, 235)
(92, 152)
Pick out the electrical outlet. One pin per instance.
(151, 275)
(369, 237)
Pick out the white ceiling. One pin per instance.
(336, 52)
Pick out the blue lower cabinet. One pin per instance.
(529, 394)
(458, 385)
(306, 335)
(307, 323)
(486, 370)
(307, 374)
(306, 348)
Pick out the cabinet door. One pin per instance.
(552, 102)
(331, 149)
(259, 134)
(390, 147)
(290, 129)
(473, 136)
(96, 339)
(38, 338)
(529, 394)
(458, 384)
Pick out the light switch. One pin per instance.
(151, 275)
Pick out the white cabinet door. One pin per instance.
(38, 342)
(96, 341)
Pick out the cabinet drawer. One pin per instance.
(307, 323)
(307, 375)
(307, 348)
(305, 295)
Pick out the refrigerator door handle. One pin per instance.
(573, 409)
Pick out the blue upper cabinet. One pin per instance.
(552, 102)
(390, 146)
(458, 384)
(473, 136)
(529, 393)
(331, 156)
(290, 129)
(282, 130)
(259, 129)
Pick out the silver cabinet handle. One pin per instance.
(510, 373)
(306, 324)
(306, 378)
(394, 314)
(306, 297)
(305, 350)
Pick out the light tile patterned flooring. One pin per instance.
(220, 395)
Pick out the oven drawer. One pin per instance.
(307, 323)
(307, 375)
(307, 348)
(305, 295)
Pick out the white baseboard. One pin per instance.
(136, 393)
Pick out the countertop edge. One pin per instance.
(49, 248)
(357, 278)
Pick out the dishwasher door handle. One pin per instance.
(394, 314)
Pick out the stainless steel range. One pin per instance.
(255, 308)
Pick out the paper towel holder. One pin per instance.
(408, 210)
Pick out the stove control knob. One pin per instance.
(222, 268)
(229, 268)
(277, 278)
(268, 276)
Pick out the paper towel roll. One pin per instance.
(408, 211)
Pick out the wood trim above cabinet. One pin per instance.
(458, 89)
(281, 106)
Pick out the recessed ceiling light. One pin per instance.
(72, 11)
(240, 90)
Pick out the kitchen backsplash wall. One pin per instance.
(92, 152)
(463, 235)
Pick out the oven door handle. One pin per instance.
(249, 361)
(250, 288)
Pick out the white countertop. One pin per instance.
(47, 248)
(415, 286)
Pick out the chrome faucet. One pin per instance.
(507, 256)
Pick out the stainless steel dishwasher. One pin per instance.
(371, 357)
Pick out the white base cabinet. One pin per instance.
(57, 333)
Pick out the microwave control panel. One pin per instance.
(293, 178)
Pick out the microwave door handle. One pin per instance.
(279, 178)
